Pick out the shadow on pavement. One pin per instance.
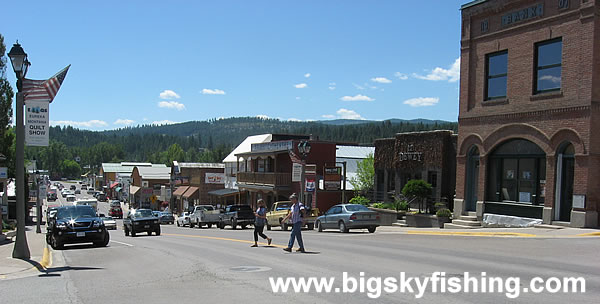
(55, 271)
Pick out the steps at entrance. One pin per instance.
(468, 221)
(472, 213)
(455, 226)
(564, 224)
(400, 223)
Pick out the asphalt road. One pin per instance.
(218, 266)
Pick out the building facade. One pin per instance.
(529, 112)
(194, 181)
(428, 156)
(149, 188)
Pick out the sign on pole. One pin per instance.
(3, 172)
(296, 172)
(37, 123)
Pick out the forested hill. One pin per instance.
(198, 141)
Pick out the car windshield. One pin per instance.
(75, 212)
(107, 218)
(283, 206)
(143, 213)
(357, 208)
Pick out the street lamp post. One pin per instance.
(304, 149)
(20, 64)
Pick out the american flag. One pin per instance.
(294, 157)
(44, 90)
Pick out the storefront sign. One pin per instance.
(523, 14)
(310, 169)
(3, 172)
(332, 185)
(332, 178)
(310, 185)
(296, 172)
(410, 154)
(37, 123)
(272, 146)
(214, 178)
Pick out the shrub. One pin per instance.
(443, 212)
(416, 187)
(403, 205)
(379, 205)
(361, 200)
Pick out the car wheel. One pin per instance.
(311, 226)
(268, 227)
(319, 226)
(104, 242)
(372, 229)
(157, 232)
(191, 225)
(209, 225)
(221, 225)
(244, 226)
(149, 233)
(233, 224)
(342, 227)
(284, 226)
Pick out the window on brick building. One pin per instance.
(496, 74)
(548, 65)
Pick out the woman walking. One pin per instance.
(259, 223)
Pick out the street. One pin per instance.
(218, 266)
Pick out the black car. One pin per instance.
(141, 220)
(235, 215)
(76, 224)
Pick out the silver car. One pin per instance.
(109, 223)
(183, 219)
(348, 216)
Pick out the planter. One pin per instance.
(421, 220)
(442, 220)
(387, 216)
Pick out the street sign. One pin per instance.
(296, 172)
(310, 169)
(43, 189)
(310, 185)
(37, 123)
(3, 172)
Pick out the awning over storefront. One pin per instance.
(224, 192)
(180, 190)
(114, 184)
(191, 191)
(134, 189)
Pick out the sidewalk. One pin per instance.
(497, 232)
(11, 268)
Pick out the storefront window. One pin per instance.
(496, 75)
(517, 173)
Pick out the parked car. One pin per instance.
(235, 215)
(140, 220)
(166, 218)
(84, 187)
(205, 215)
(73, 187)
(280, 210)
(109, 222)
(71, 198)
(77, 191)
(348, 216)
(51, 196)
(90, 190)
(183, 219)
(101, 197)
(76, 224)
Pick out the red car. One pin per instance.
(116, 212)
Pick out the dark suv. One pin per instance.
(141, 220)
(76, 224)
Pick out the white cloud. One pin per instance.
(332, 88)
(348, 114)
(358, 86)
(451, 75)
(168, 94)
(307, 75)
(163, 122)
(125, 122)
(422, 101)
(262, 116)
(80, 124)
(171, 105)
(401, 76)
(358, 97)
(300, 86)
(381, 80)
(328, 116)
(294, 119)
(213, 92)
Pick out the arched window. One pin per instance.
(517, 173)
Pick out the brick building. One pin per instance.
(529, 110)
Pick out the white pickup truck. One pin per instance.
(205, 215)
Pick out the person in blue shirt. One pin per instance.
(259, 223)
(297, 215)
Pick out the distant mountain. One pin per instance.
(343, 122)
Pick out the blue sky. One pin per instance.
(143, 62)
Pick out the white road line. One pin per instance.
(122, 243)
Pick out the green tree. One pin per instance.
(417, 188)
(70, 168)
(174, 153)
(6, 95)
(365, 175)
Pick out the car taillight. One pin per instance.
(353, 217)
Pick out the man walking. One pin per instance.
(297, 215)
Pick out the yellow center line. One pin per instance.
(468, 233)
(220, 239)
(589, 234)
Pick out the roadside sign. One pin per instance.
(3, 172)
(43, 189)
(37, 123)
(296, 172)
(310, 169)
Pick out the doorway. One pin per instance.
(564, 183)
(472, 179)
